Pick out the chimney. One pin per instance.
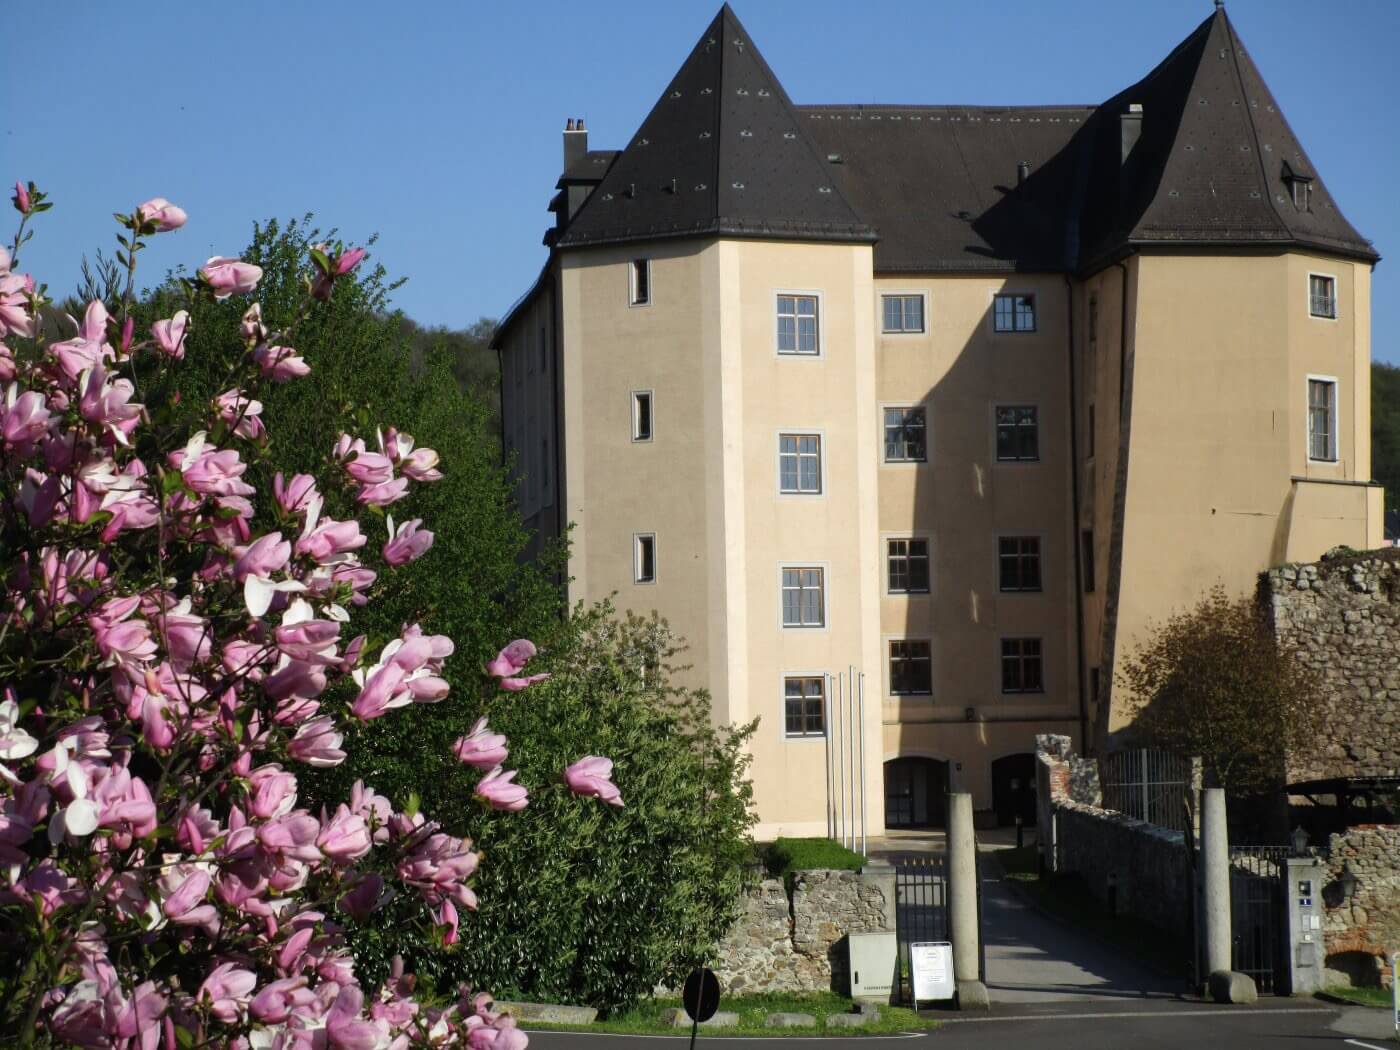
(1131, 129)
(1023, 172)
(575, 142)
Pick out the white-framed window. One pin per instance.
(798, 324)
(906, 563)
(800, 464)
(1018, 564)
(1018, 433)
(1322, 296)
(1013, 312)
(641, 415)
(911, 667)
(644, 557)
(906, 434)
(902, 313)
(1021, 670)
(1322, 419)
(804, 598)
(639, 282)
(804, 705)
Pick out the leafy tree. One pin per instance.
(1213, 682)
(619, 900)
(1385, 430)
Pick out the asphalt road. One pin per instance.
(1278, 1024)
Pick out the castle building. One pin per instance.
(911, 419)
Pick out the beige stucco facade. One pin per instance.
(1197, 472)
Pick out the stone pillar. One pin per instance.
(962, 903)
(1225, 985)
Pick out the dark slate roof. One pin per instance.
(721, 152)
(591, 167)
(1209, 166)
(724, 151)
(941, 184)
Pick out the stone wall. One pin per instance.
(1358, 933)
(1341, 617)
(797, 944)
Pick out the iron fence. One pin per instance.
(1151, 785)
(921, 909)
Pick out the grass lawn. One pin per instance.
(1066, 897)
(1364, 996)
(784, 856)
(645, 1019)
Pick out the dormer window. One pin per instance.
(1300, 186)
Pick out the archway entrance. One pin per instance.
(1013, 789)
(916, 793)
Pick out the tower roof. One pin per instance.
(721, 152)
(1214, 162)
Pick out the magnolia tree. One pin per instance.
(174, 645)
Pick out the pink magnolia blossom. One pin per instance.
(24, 421)
(165, 215)
(273, 792)
(264, 556)
(21, 199)
(365, 898)
(370, 468)
(481, 748)
(409, 543)
(317, 743)
(591, 776)
(89, 347)
(251, 326)
(105, 402)
(240, 413)
(381, 690)
(227, 990)
(227, 277)
(210, 471)
(280, 363)
(296, 495)
(384, 493)
(345, 837)
(497, 791)
(16, 311)
(512, 659)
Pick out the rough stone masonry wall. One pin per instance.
(1341, 617)
(782, 944)
(1369, 924)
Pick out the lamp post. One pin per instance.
(1348, 882)
(1299, 838)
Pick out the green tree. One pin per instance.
(1213, 682)
(1385, 430)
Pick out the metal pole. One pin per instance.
(1145, 761)
(861, 694)
(840, 761)
(826, 731)
(851, 751)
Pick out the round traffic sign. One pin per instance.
(701, 994)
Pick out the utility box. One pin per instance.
(1306, 952)
(873, 959)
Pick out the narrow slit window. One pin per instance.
(804, 706)
(644, 558)
(641, 282)
(1322, 420)
(641, 415)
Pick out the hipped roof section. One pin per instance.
(725, 152)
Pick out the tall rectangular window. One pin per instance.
(902, 313)
(911, 669)
(1020, 666)
(641, 282)
(641, 415)
(797, 324)
(1322, 420)
(644, 558)
(905, 435)
(1018, 433)
(1013, 313)
(804, 706)
(908, 566)
(800, 464)
(1018, 563)
(1086, 557)
(803, 604)
(1322, 295)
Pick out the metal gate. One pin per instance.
(1152, 785)
(921, 908)
(1258, 930)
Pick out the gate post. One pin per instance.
(1302, 899)
(1225, 985)
(962, 903)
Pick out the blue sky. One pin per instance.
(437, 124)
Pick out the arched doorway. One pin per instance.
(1013, 789)
(916, 793)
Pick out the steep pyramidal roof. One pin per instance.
(721, 152)
(725, 152)
(1212, 163)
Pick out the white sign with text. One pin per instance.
(931, 967)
